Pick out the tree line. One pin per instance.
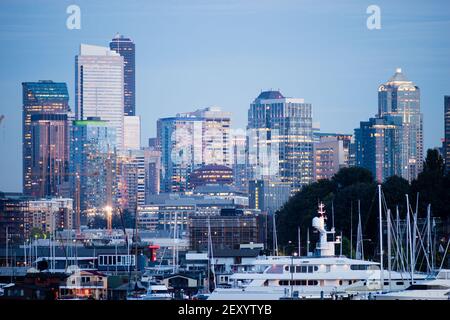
(353, 184)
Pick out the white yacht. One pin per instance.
(154, 292)
(432, 289)
(320, 276)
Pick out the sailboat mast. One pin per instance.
(299, 242)
(411, 254)
(275, 240)
(381, 237)
(351, 229)
(307, 242)
(430, 268)
(389, 246)
(174, 243)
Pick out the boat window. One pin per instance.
(316, 268)
(313, 282)
(310, 269)
(359, 267)
(427, 287)
(399, 283)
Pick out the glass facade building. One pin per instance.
(376, 144)
(99, 87)
(126, 48)
(50, 155)
(280, 140)
(401, 98)
(41, 98)
(189, 141)
(131, 174)
(93, 162)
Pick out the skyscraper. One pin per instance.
(93, 161)
(126, 48)
(377, 142)
(131, 173)
(329, 157)
(281, 139)
(50, 155)
(400, 97)
(239, 161)
(152, 161)
(131, 132)
(215, 134)
(44, 100)
(99, 87)
(447, 133)
(189, 141)
(181, 151)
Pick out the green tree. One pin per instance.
(394, 190)
(348, 176)
(432, 186)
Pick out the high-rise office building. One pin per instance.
(344, 137)
(215, 134)
(131, 179)
(377, 142)
(268, 196)
(126, 48)
(50, 155)
(239, 160)
(399, 97)
(189, 141)
(42, 99)
(152, 161)
(181, 151)
(99, 76)
(13, 207)
(280, 139)
(447, 133)
(93, 163)
(329, 157)
(131, 132)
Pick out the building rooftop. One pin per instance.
(270, 95)
(398, 76)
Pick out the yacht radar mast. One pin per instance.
(324, 248)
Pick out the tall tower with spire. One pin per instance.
(400, 98)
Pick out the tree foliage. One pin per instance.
(352, 186)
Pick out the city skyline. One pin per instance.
(326, 106)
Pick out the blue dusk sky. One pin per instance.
(198, 53)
